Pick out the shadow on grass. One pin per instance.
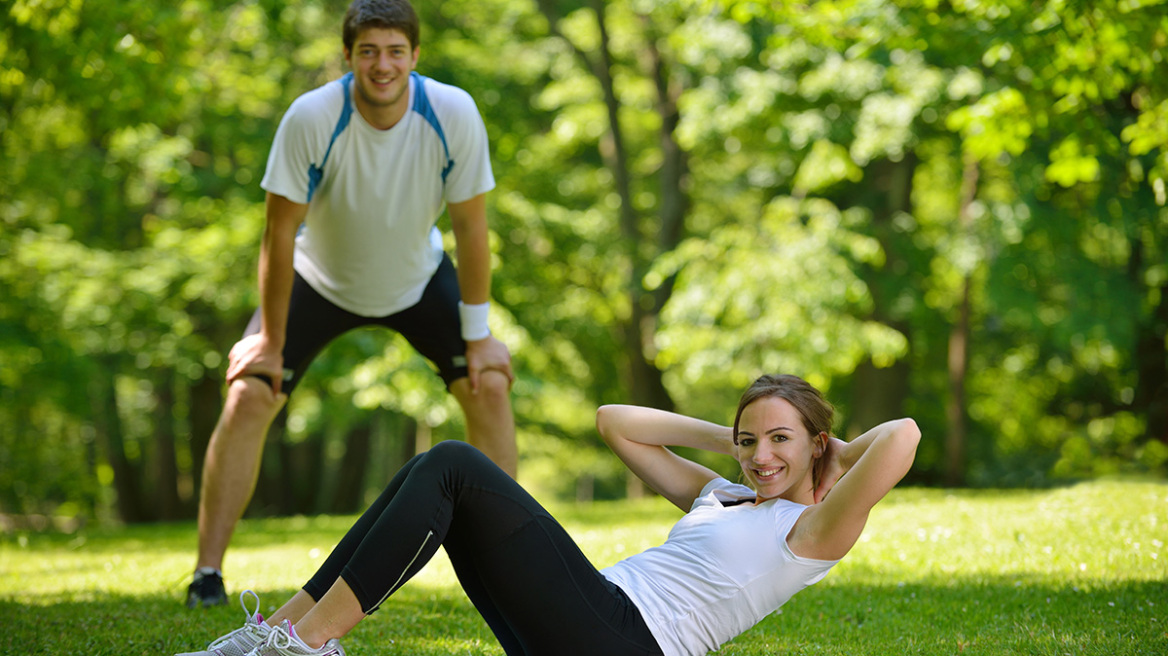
(165, 538)
(322, 531)
(421, 621)
(969, 618)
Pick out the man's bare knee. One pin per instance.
(493, 387)
(494, 384)
(251, 399)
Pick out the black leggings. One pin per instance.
(525, 575)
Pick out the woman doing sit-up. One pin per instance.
(738, 554)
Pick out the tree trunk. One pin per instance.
(206, 402)
(274, 488)
(405, 444)
(879, 396)
(879, 393)
(108, 423)
(395, 442)
(350, 486)
(643, 379)
(304, 473)
(163, 472)
(1151, 356)
(955, 436)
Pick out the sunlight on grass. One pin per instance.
(1076, 570)
(1080, 535)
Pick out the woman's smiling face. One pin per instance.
(776, 451)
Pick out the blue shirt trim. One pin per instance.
(315, 173)
(422, 106)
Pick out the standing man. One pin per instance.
(357, 178)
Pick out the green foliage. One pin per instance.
(1061, 240)
(762, 186)
(788, 302)
(1071, 570)
(127, 216)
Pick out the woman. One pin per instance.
(737, 555)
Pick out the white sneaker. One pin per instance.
(242, 640)
(282, 641)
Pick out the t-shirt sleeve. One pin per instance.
(292, 153)
(470, 150)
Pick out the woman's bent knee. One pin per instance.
(454, 450)
(453, 457)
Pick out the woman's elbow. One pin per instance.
(908, 434)
(911, 432)
(604, 421)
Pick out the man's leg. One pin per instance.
(490, 424)
(232, 465)
(432, 327)
(230, 471)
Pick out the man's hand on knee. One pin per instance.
(487, 356)
(254, 355)
(256, 390)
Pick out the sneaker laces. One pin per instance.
(253, 624)
(283, 640)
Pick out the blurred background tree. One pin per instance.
(954, 211)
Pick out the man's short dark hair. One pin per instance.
(387, 14)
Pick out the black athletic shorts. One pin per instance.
(431, 326)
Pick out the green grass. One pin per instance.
(1076, 570)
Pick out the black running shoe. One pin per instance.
(206, 589)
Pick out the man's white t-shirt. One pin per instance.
(369, 242)
(721, 570)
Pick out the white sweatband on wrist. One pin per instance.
(474, 321)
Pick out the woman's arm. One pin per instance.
(866, 468)
(639, 436)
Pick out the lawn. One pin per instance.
(1074, 570)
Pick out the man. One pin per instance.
(356, 179)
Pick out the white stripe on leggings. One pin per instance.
(429, 534)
